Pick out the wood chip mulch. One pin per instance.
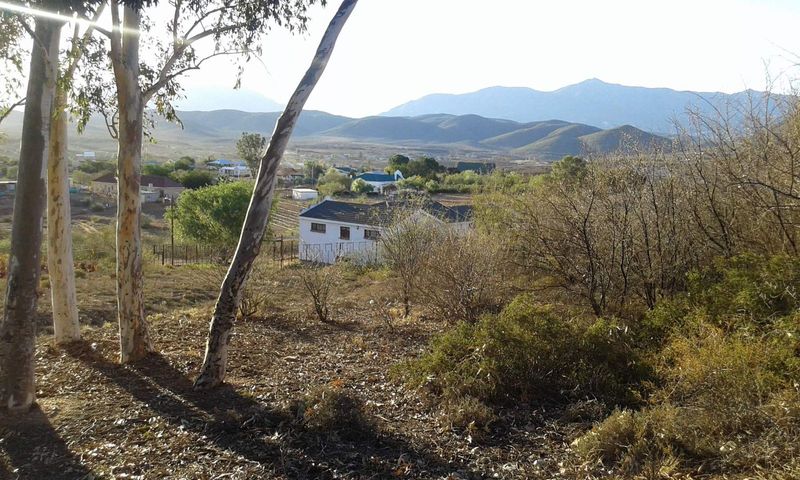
(97, 419)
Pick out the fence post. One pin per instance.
(281, 251)
(163, 253)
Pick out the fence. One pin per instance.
(282, 251)
(359, 252)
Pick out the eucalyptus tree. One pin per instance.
(214, 367)
(60, 265)
(147, 60)
(18, 324)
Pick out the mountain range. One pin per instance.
(592, 102)
(545, 141)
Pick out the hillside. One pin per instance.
(216, 132)
(593, 102)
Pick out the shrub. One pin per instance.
(728, 403)
(331, 409)
(254, 297)
(212, 215)
(747, 291)
(527, 352)
(360, 186)
(318, 281)
(468, 415)
(461, 275)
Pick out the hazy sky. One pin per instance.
(393, 51)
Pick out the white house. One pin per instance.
(332, 229)
(236, 171)
(304, 194)
(380, 180)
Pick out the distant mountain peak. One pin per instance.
(592, 102)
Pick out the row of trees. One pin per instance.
(138, 80)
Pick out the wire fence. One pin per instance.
(281, 250)
(359, 252)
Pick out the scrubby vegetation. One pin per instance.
(661, 287)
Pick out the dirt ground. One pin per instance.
(97, 419)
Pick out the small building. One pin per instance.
(163, 187)
(380, 180)
(482, 168)
(333, 229)
(304, 194)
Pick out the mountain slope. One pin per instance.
(216, 132)
(592, 102)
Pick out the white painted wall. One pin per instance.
(327, 247)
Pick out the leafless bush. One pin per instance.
(254, 297)
(318, 280)
(405, 246)
(462, 275)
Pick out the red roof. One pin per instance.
(154, 180)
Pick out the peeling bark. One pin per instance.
(134, 338)
(212, 373)
(18, 327)
(60, 266)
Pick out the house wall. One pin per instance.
(327, 247)
(166, 191)
(378, 186)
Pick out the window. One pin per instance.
(344, 233)
(318, 227)
(372, 234)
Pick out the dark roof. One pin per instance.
(146, 180)
(376, 177)
(478, 167)
(381, 213)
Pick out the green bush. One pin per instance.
(527, 352)
(728, 397)
(730, 404)
(747, 291)
(212, 215)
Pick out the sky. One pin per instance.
(394, 51)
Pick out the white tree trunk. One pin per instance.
(133, 333)
(60, 265)
(212, 373)
(18, 326)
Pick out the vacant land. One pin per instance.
(98, 418)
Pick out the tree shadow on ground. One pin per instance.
(274, 438)
(32, 448)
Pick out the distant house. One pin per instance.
(304, 194)
(236, 171)
(482, 168)
(380, 180)
(7, 187)
(290, 175)
(333, 229)
(153, 187)
(219, 163)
